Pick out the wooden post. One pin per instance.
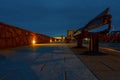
(79, 42)
(94, 43)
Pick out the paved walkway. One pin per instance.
(105, 66)
(42, 63)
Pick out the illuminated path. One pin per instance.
(42, 62)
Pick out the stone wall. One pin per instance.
(11, 36)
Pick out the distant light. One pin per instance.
(50, 40)
(87, 39)
(33, 42)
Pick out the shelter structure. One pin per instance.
(102, 19)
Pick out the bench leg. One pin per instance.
(94, 43)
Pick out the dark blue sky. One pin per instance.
(55, 17)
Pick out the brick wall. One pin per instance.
(11, 36)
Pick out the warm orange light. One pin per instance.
(50, 40)
(33, 41)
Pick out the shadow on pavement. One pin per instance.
(88, 53)
(2, 57)
(84, 51)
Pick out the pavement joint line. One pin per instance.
(6, 75)
(65, 73)
(90, 70)
(107, 66)
(42, 67)
(64, 59)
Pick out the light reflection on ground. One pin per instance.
(42, 62)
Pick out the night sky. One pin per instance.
(55, 17)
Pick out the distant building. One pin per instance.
(70, 35)
(59, 39)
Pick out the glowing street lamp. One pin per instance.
(33, 42)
